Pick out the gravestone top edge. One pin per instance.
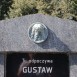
(54, 17)
(62, 34)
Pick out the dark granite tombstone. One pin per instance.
(58, 62)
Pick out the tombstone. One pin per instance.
(52, 35)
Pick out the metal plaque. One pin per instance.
(38, 32)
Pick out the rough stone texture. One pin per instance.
(62, 34)
(73, 65)
(1, 65)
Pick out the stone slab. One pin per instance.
(1, 65)
(62, 34)
(73, 65)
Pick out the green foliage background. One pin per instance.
(60, 8)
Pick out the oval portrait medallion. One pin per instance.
(38, 32)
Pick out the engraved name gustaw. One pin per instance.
(39, 69)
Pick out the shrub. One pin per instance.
(4, 8)
(59, 8)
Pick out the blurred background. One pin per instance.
(66, 9)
